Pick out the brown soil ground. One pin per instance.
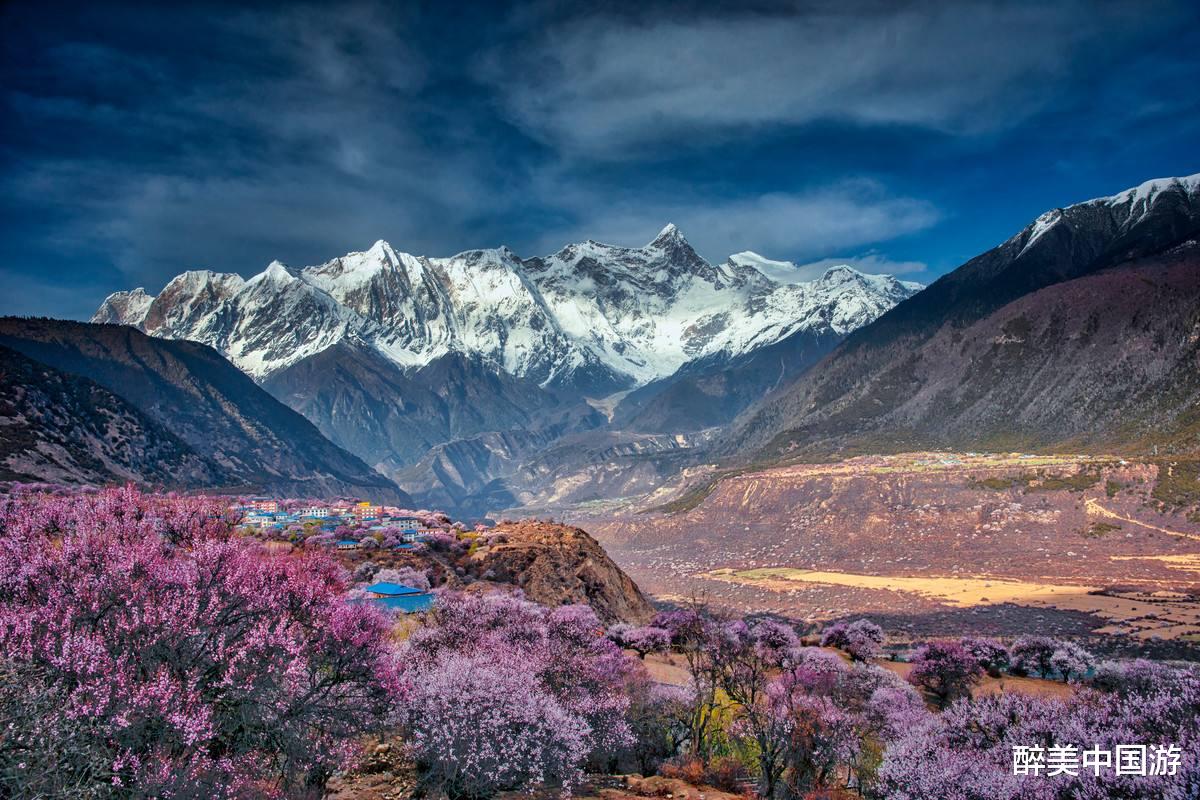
(385, 778)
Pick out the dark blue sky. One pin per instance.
(142, 140)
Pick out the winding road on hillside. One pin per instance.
(1093, 507)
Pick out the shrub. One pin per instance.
(689, 769)
(725, 773)
(658, 720)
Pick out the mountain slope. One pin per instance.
(391, 417)
(205, 401)
(61, 428)
(1039, 342)
(712, 390)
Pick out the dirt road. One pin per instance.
(1094, 507)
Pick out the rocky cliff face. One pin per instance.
(1079, 330)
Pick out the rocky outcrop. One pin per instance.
(559, 564)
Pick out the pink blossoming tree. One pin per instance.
(173, 657)
(507, 694)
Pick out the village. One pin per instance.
(346, 527)
(361, 524)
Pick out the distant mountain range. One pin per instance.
(450, 374)
(591, 317)
(103, 403)
(484, 381)
(1081, 332)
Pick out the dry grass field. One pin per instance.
(1165, 614)
(936, 543)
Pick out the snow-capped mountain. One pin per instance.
(592, 316)
(409, 360)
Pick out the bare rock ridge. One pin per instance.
(558, 564)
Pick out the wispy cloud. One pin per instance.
(292, 134)
(611, 85)
(146, 139)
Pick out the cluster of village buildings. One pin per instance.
(365, 518)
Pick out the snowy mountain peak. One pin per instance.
(669, 233)
(124, 308)
(840, 273)
(606, 316)
(384, 252)
(277, 272)
(672, 244)
(1126, 208)
(197, 282)
(1188, 184)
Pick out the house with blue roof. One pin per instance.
(398, 597)
(385, 589)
